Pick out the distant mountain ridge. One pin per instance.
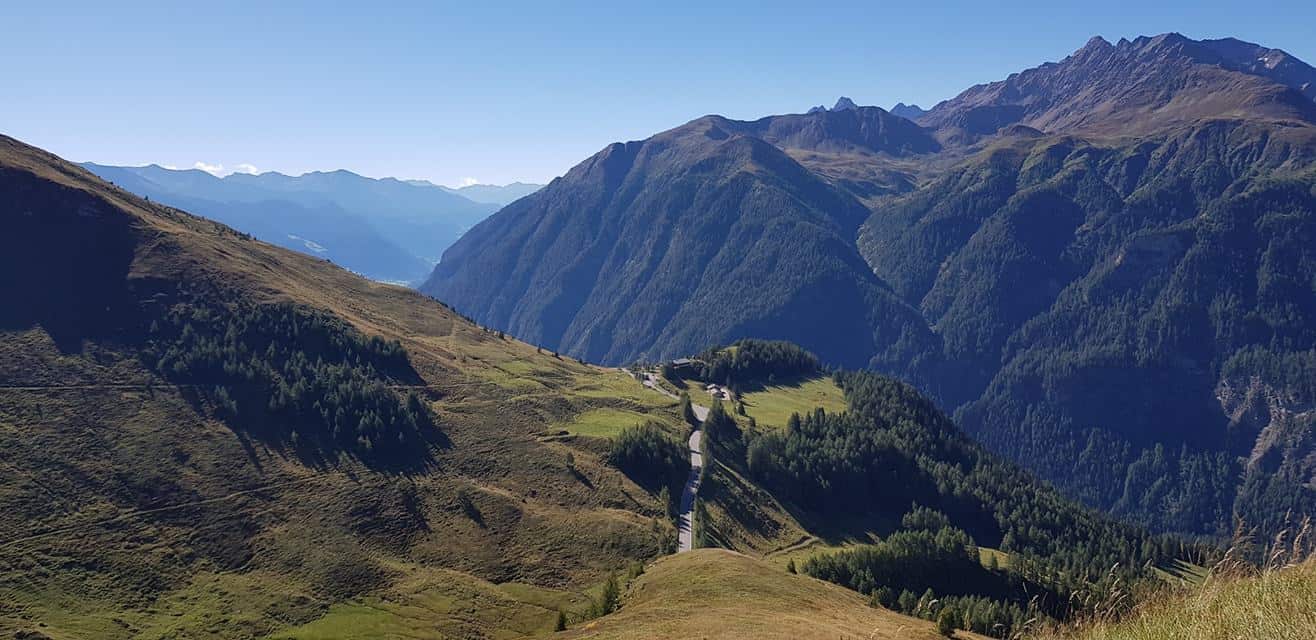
(386, 229)
(1046, 254)
(908, 111)
(499, 194)
(1136, 87)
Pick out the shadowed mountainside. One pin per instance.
(649, 249)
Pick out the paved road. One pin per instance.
(651, 381)
(685, 517)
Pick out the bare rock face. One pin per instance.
(844, 103)
(1136, 87)
(908, 111)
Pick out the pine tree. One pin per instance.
(907, 601)
(687, 410)
(611, 597)
(946, 623)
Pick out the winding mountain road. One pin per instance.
(685, 535)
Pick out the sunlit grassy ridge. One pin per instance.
(711, 593)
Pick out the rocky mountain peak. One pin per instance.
(844, 103)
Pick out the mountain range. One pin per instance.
(206, 435)
(385, 229)
(499, 194)
(1102, 263)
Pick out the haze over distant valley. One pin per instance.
(385, 229)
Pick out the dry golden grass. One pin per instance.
(1278, 604)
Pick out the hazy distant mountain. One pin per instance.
(385, 229)
(1103, 264)
(844, 103)
(908, 111)
(501, 195)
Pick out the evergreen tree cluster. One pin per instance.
(750, 361)
(1294, 372)
(720, 428)
(943, 566)
(297, 377)
(650, 457)
(942, 560)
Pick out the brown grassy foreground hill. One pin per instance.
(134, 504)
(712, 593)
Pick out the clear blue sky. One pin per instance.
(516, 92)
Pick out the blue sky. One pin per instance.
(503, 92)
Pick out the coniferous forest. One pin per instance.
(298, 378)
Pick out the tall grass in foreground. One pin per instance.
(1237, 601)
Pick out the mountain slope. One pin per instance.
(640, 251)
(204, 435)
(1067, 275)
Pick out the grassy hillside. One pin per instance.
(716, 593)
(1278, 604)
(163, 474)
(772, 405)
